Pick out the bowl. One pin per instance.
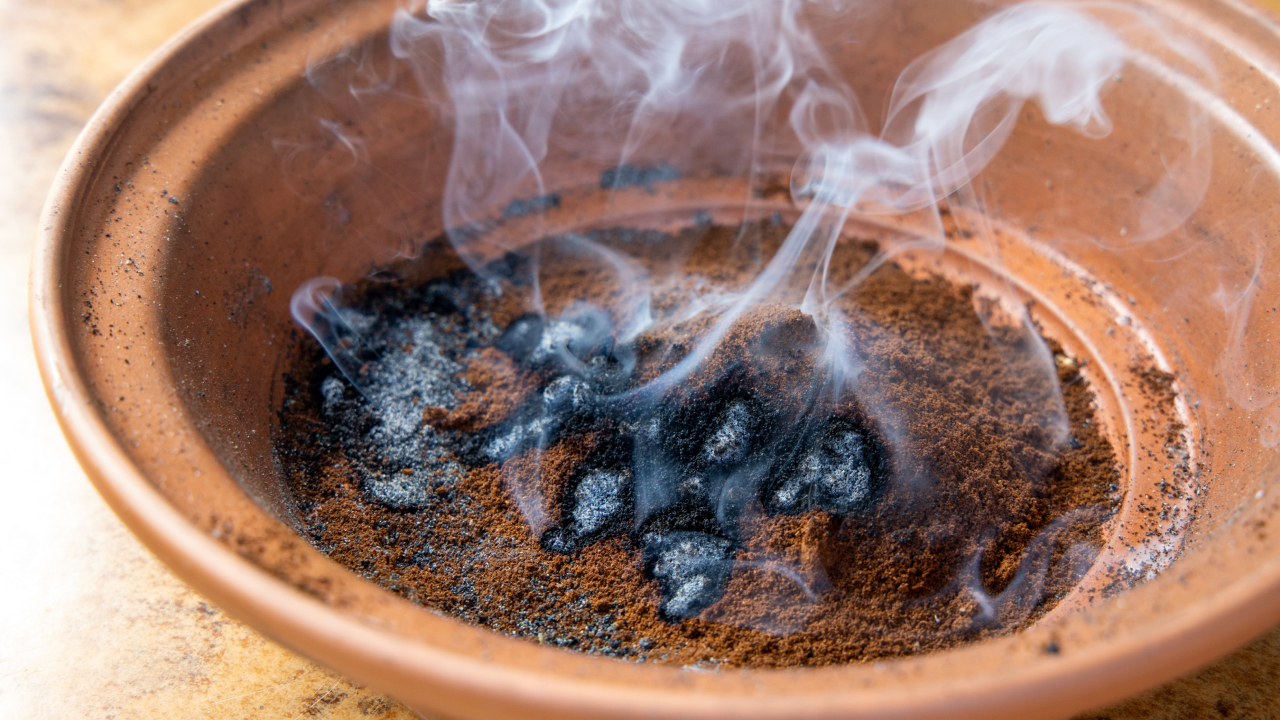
(273, 142)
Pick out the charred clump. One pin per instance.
(674, 471)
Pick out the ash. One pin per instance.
(691, 567)
(673, 477)
(834, 475)
(413, 363)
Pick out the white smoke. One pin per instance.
(736, 87)
(661, 88)
(540, 93)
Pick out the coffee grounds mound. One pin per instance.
(511, 470)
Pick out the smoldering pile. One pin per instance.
(533, 472)
(442, 388)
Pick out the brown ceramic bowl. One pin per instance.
(204, 191)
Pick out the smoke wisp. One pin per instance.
(642, 94)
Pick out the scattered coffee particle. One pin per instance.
(508, 469)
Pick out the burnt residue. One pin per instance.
(749, 514)
(675, 471)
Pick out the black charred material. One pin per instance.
(704, 459)
(674, 473)
(599, 501)
(531, 206)
(839, 466)
(521, 337)
(579, 362)
(678, 472)
(691, 568)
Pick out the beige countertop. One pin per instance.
(93, 626)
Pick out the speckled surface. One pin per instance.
(92, 625)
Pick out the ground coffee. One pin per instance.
(477, 460)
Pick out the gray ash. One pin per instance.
(599, 499)
(836, 472)
(691, 567)
(671, 474)
(411, 362)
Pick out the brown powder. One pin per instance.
(499, 389)
(983, 506)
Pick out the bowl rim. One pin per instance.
(1095, 675)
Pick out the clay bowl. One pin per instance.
(205, 190)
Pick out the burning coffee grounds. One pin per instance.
(539, 450)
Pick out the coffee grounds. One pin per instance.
(973, 519)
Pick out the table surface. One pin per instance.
(93, 626)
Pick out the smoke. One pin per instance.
(1015, 603)
(544, 96)
(316, 306)
(1255, 389)
(657, 90)
(689, 86)
(737, 87)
